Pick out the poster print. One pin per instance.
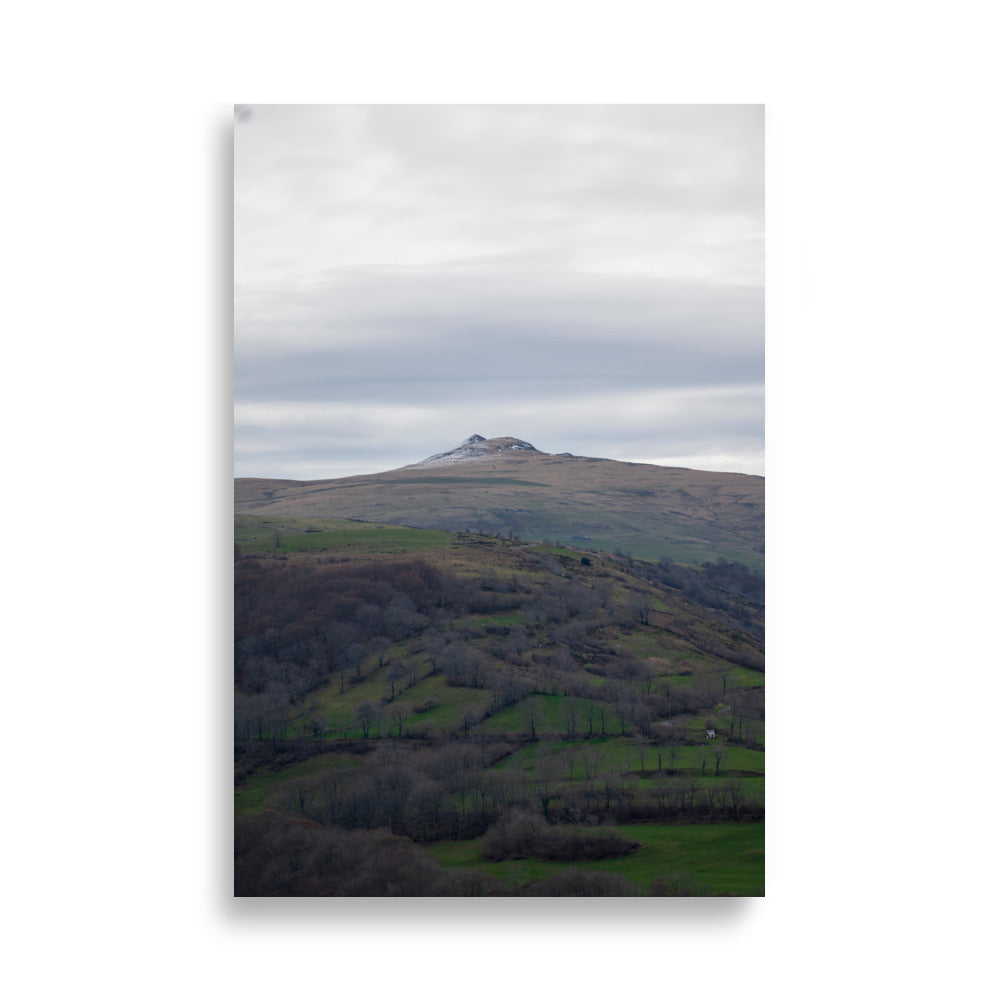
(499, 500)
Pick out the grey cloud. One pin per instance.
(396, 306)
(342, 186)
(407, 276)
(466, 373)
(438, 337)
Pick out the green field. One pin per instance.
(259, 534)
(723, 858)
(253, 794)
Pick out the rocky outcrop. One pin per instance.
(476, 448)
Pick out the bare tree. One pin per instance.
(399, 713)
(516, 643)
(570, 718)
(471, 717)
(365, 714)
(624, 707)
(711, 792)
(355, 656)
(688, 791)
(394, 675)
(530, 716)
(546, 771)
(637, 609)
(643, 747)
(317, 725)
(733, 790)
(379, 645)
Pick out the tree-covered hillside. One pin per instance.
(486, 716)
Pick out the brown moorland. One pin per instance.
(648, 511)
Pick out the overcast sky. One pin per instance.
(587, 278)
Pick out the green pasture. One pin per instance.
(256, 535)
(506, 619)
(679, 680)
(450, 704)
(339, 707)
(744, 677)
(721, 858)
(251, 795)
(550, 714)
(640, 545)
(593, 679)
(644, 641)
(647, 642)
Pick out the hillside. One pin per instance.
(506, 487)
(427, 713)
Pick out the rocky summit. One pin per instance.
(476, 448)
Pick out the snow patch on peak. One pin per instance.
(476, 448)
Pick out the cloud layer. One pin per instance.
(586, 278)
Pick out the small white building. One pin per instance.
(710, 733)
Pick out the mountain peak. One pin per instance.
(477, 448)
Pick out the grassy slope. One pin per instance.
(595, 504)
(258, 534)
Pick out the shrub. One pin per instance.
(282, 856)
(520, 834)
